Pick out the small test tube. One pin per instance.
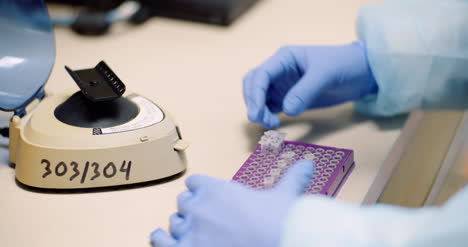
(272, 141)
(288, 156)
(268, 182)
(264, 144)
(282, 163)
(309, 156)
(275, 172)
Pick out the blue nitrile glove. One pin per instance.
(214, 212)
(298, 78)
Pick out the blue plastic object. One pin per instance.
(27, 52)
(298, 78)
(214, 213)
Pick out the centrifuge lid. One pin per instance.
(27, 51)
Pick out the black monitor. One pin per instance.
(220, 12)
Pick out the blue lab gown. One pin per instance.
(418, 53)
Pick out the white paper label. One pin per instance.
(149, 114)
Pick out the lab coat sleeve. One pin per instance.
(418, 53)
(319, 221)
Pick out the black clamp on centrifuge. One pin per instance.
(99, 83)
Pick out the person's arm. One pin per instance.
(315, 221)
(418, 53)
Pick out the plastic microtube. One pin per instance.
(320, 183)
(268, 181)
(332, 166)
(316, 188)
(275, 172)
(282, 163)
(326, 174)
(320, 164)
(309, 156)
(329, 170)
(288, 156)
(272, 141)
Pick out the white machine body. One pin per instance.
(51, 154)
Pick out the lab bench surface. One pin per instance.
(195, 72)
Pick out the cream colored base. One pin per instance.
(51, 154)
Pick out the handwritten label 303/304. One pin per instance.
(89, 170)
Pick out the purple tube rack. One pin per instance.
(332, 166)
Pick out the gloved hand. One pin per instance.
(214, 213)
(298, 78)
